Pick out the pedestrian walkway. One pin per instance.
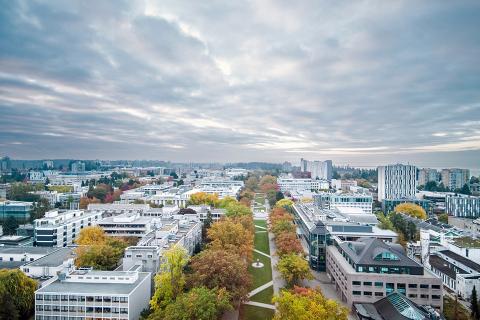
(261, 288)
(261, 305)
(260, 227)
(262, 253)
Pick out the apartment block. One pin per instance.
(462, 206)
(397, 181)
(455, 178)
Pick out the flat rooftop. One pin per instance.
(466, 262)
(53, 259)
(66, 287)
(26, 249)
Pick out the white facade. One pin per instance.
(59, 229)
(127, 225)
(318, 169)
(301, 185)
(94, 295)
(397, 181)
(326, 200)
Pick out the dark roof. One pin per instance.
(364, 251)
(444, 266)
(395, 306)
(319, 228)
(466, 262)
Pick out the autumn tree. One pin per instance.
(294, 269)
(232, 236)
(226, 201)
(93, 235)
(284, 203)
(17, 294)
(252, 183)
(170, 281)
(204, 198)
(237, 209)
(84, 202)
(307, 303)
(279, 214)
(216, 268)
(443, 218)
(199, 303)
(411, 209)
(287, 243)
(282, 226)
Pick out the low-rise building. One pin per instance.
(128, 225)
(60, 228)
(367, 270)
(327, 200)
(18, 209)
(51, 264)
(86, 294)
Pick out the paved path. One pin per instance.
(262, 253)
(261, 288)
(261, 305)
(260, 227)
(278, 281)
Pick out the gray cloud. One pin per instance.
(361, 83)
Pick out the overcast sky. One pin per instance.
(359, 82)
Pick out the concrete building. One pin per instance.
(455, 178)
(397, 181)
(109, 209)
(326, 200)
(128, 225)
(4, 190)
(59, 229)
(36, 177)
(426, 175)
(367, 270)
(319, 169)
(78, 167)
(301, 185)
(462, 206)
(18, 209)
(51, 264)
(11, 257)
(86, 294)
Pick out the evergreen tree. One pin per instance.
(474, 304)
(10, 225)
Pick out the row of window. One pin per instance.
(12, 259)
(39, 317)
(399, 285)
(81, 309)
(42, 297)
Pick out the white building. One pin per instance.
(326, 200)
(59, 229)
(127, 225)
(118, 208)
(36, 177)
(301, 185)
(318, 169)
(51, 264)
(85, 294)
(462, 206)
(397, 181)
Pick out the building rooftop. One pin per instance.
(53, 259)
(444, 266)
(466, 262)
(93, 288)
(26, 249)
(466, 242)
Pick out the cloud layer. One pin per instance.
(360, 82)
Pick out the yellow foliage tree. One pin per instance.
(230, 235)
(411, 209)
(204, 198)
(91, 236)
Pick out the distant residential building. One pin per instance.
(368, 269)
(85, 294)
(78, 167)
(426, 175)
(301, 185)
(287, 166)
(50, 196)
(59, 229)
(326, 200)
(5, 164)
(18, 209)
(397, 181)
(388, 205)
(318, 169)
(455, 178)
(4, 190)
(36, 177)
(463, 206)
(127, 225)
(47, 164)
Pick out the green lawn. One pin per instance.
(260, 223)
(260, 275)
(255, 313)
(261, 240)
(264, 296)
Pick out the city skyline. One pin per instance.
(364, 84)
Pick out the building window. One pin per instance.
(412, 285)
(367, 293)
(424, 286)
(412, 295)
(435, 297)
(357, 293)
(378, 294)
(379, 284)
(424, 296)
(435, 286)
(367, 283)
(123, 299)
(356, 283)
(390, 287)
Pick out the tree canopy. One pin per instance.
(293, 269)
(17, 294)
(411, 209)
(306, 303)
(231, 235)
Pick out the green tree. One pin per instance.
(294, 269)
(465, 190)
(19, 289)
(443, 218)
(10, 225)
(170, 281)
(234, 209)
(475, 312)
(306, 303)
(198, 304)
(39, 209)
